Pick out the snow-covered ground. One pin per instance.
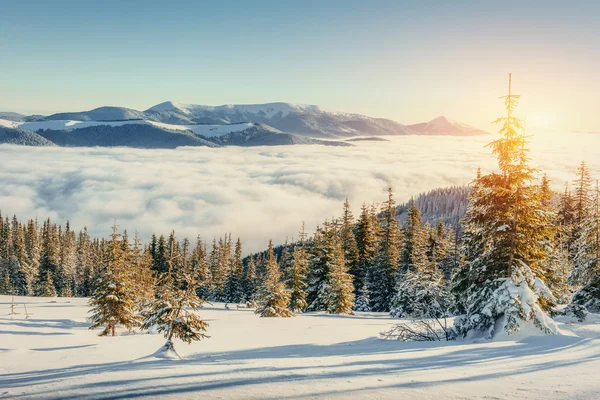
(205, 130)
(52, 354)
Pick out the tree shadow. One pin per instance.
(82, 346)
(45, 323)
(389, 362)
(29, 333)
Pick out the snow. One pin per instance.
(268, 110)
(205, 130)
(53, 354)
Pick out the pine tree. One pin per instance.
(296, 282)
(6, 287)
(49, 260)
(18, 261)
(366, 243)
(587, 256)
(273, 297)
(318, 272)
(362, 302)
(348, 239)
(113, 301)
(381, 277)
(139, 262)
(48, 288)
(32, 247)
(173, 309)
(250, 279)
(234, 290)
(83, 264)
(339, 291)
(202, 270)
(506, 228)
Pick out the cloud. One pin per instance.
(255, 193)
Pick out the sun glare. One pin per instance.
(540, 122)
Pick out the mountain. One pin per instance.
(170, 124)
(445, 126)
(264, 135)
(307, 120)
(143, 136)
(100, 114)
(17, 136)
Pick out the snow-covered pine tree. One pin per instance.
(366, 244)
(348, 238)
(48, 288)
(173, 309)
(5, 283)
(18, 261)
(296, 282)
(506, 231)
(32, 247)
(67, 260)
(338, 293)
(114, 302)
(414, 248)
(273, 297)
(251, 283)
(83, 264)
(49, 260)
(139, 261)
(381, 277)
(362, 301)
(234, 289)
(202, 270)
(587, 256)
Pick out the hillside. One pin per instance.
(129, 135)
(23, 138)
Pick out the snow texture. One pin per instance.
(54, 355)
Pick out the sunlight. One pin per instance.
(540, 122)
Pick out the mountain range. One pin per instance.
(169, 125)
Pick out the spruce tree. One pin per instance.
(202, 270)
(506, 231)
(381, 277)
(234, 289)
(587, 256)
(338, 293)
(250, 279)
(48, 288)
(49, 259)
(114, 302)
(296, 281)
(173, 310)
(348, 238)
(6, 287)
(366, 244)
(273, 297)
(362, 302)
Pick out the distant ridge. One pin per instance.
(170, 124)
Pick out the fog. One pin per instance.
(255, 193)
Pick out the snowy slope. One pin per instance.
(204, 130)
(303, 119)
(54, 355)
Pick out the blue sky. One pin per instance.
(409, 61)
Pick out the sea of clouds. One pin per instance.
(256, 193)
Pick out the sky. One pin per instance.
(407, 61)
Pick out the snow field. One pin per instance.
(53, 354)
